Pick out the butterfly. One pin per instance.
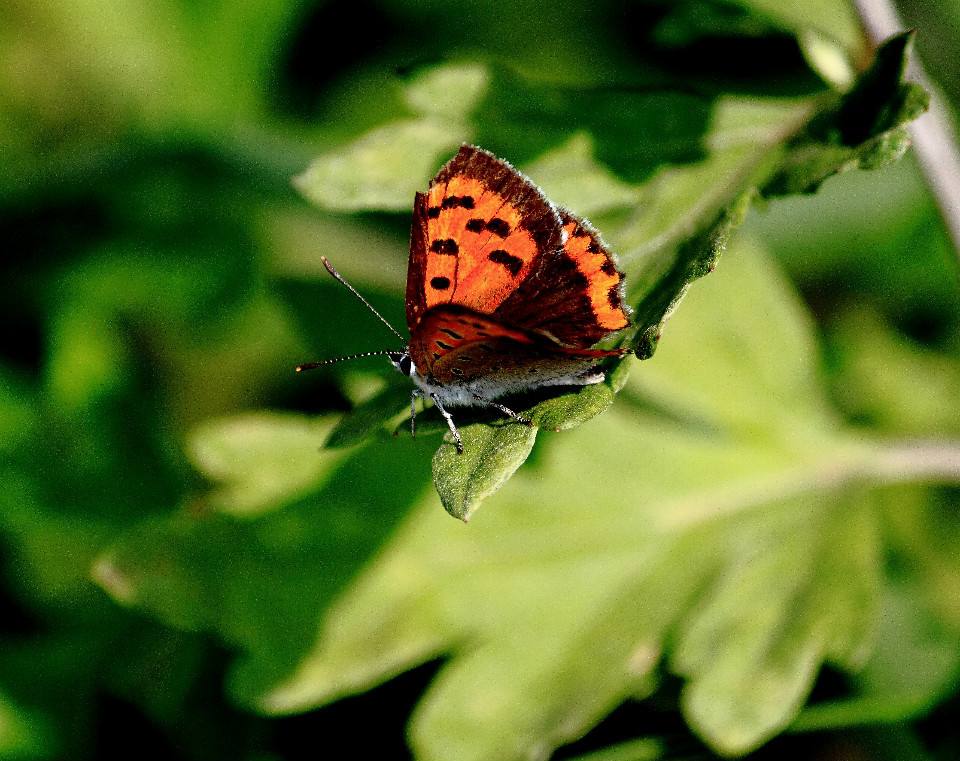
(505, 292)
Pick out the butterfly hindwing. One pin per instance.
(456, 345)
(451, 328)
(478, 232)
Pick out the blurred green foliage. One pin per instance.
(748, 552)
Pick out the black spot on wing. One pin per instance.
(440, 283)
(433, 212)
(452, 333)
(608, 267)
(499, 227)
(510, 262)
(476, 225)
(614, 297)
(454, 202)
(445, 246)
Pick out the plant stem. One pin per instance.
(921, 460)
(867, 463)
(934, 134)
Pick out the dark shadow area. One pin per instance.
(657, 717)
(635, 130)
(16, 620)
(713, 51)
(334, 40)
(938, 730)
(372, 725)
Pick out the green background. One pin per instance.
(755, 550)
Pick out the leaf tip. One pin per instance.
(645, 344)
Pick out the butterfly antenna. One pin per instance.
(321, 363)
(355, 292)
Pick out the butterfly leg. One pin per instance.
(414, 395)
(504, 409)
(450, 424)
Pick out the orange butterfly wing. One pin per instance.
(575, 294)
(500, 283)
(478, 232)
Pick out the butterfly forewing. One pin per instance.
(478, 232)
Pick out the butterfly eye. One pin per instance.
(401, 361)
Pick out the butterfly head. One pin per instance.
(401, 360)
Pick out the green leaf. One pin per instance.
(491, 454)
(464, 481)
(881, 373)
(643, 749)
(24, 735)
(695, 258)
(383, 169)
(452, 90)
(19, 417)
(690, 202)
(928, 537)
(89, 357)
(863, 130)
(571, 177)
(104, 85)
(716, 373)
(880, 100)
(635, 130)
(561, 413)
(261, 461)
(914, 665)
(659, 231)
(836, 21)
(749, 662)
(146, 159)
(371, 416)
(559, 604)
(261, 581)
(681, 201)
(856, 229)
